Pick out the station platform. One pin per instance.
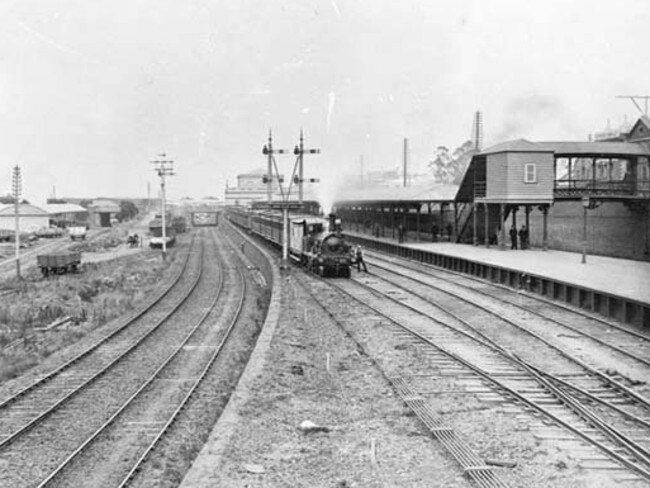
(617, 288)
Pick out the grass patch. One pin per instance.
(98, 294)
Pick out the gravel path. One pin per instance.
(315, 372)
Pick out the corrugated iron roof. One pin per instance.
(24, 210)
(102, 205)
(570, 147)
(517, 145)
(58, 208)
(585, 147)
(419, 193)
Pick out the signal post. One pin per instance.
(285, 204)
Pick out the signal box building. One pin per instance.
(559, 189)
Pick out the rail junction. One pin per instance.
(489, 366)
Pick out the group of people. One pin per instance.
(523, 235)
(435, 231)
(133, 240)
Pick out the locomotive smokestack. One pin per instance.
(334, 223)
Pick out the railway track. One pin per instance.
(569, 395)
(499, 355)
(83, 390)
(623, 340)
(142, 422)
(123, 326)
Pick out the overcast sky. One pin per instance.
(91, 91)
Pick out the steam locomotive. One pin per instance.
(315, 242)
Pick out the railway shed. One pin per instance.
(32, 217)
(67, 214)
(102, 211)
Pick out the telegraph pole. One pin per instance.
(300, 152)
(16, 186)
(164, 168)
(406, 156)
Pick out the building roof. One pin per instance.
(59, 208)
(575, 148)
(102, 205)
(517, 145)
(420, 193)
(24, 210)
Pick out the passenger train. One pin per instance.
(315, 242)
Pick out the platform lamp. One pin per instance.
(16, 187)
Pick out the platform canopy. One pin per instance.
(433, 193)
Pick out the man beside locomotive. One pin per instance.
(359, 259)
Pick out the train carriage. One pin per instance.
(314, 242)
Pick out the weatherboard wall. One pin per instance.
(505, 177)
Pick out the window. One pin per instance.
(530, 173)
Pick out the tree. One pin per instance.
(9, 200)
(449, 167)
(128, 210)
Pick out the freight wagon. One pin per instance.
(155, 229)
(59, 262)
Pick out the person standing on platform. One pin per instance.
(359, 255)
(513, 237)
(400, 233)
(523, 237)
(434, 233)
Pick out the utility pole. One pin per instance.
(361, 169)
(633, 99)
(477, 131)
(406, 151)
(300, 151)
(163, 168)
(17, 186)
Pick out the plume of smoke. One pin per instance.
(330, 189)
(524, 116)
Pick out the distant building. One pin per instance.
(102, 212)
(609, 134)
(251, 188)
(32, 218)
(67, 214)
